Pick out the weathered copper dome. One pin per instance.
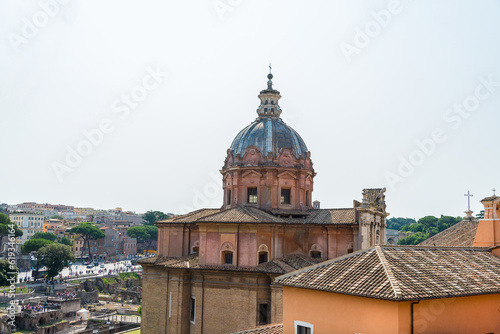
(270, 135)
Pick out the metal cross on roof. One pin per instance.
(270, 68)
(469, 195)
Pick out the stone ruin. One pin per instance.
(128, 290)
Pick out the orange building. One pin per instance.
(488, 230)
(396, 289)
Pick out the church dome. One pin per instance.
(268, 165)
(270, 135)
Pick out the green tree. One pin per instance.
(143, 234)
(7, 227)
(57, 217)
(153, 216)
(44, 235)
(429, 222)
(413, 239)
(6, 270)
(87, 231)
(66, 241)
(447, 221)
(417, 228)
(33, 245)
(396, 223)
(55, 257)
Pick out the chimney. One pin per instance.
(316, 205)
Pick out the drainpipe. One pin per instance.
(327, 241)
(412, 303)
(237, 245)
(202, 299)
(189, 240)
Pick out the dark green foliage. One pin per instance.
(413, 239)
(132, 275)
(33, 245)
(57, 217)
(427, 227)
(396, 223)
(143, 234)
(66, 241)
(88, 231)
(45, 235)
(55, 257)
(153, 216)
(6, 224)
(6, 271)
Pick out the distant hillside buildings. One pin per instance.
(33, 218)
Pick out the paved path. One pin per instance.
(94, 272)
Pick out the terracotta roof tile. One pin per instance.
(404, 273)
(490, 198)
(242, 214)
(459, 235)
(190, 217)
(253, 215)
(332, 216)
(266, 329)
(276, 266)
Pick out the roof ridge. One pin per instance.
(385, 264)
(324, 263)
(248, 212)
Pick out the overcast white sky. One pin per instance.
(65, 70)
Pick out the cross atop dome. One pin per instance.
(269, 99)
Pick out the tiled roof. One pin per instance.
(490, 198)
(253, 215)
(190, 217)
(404, 273)
(459, 235)
(266, 329)
(331, 216)
(242, 214)
(276, 266)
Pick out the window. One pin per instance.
(285, 196)
(228, 196)
(303, 327)
(196, 249)
(227, 257)
(192, 309)
(316, 255)
(252, 195)
(262, 257)
(263, 314)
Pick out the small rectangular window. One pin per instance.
(192, 310)
(263, 314)
(228, 258)
(229, 197)
(285, 196)
(262, 257)
(252, 195)
(316, 255)
(303, 327)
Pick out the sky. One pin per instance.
(133, 104)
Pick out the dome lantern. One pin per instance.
(269, 99)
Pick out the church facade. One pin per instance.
(215, 268)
